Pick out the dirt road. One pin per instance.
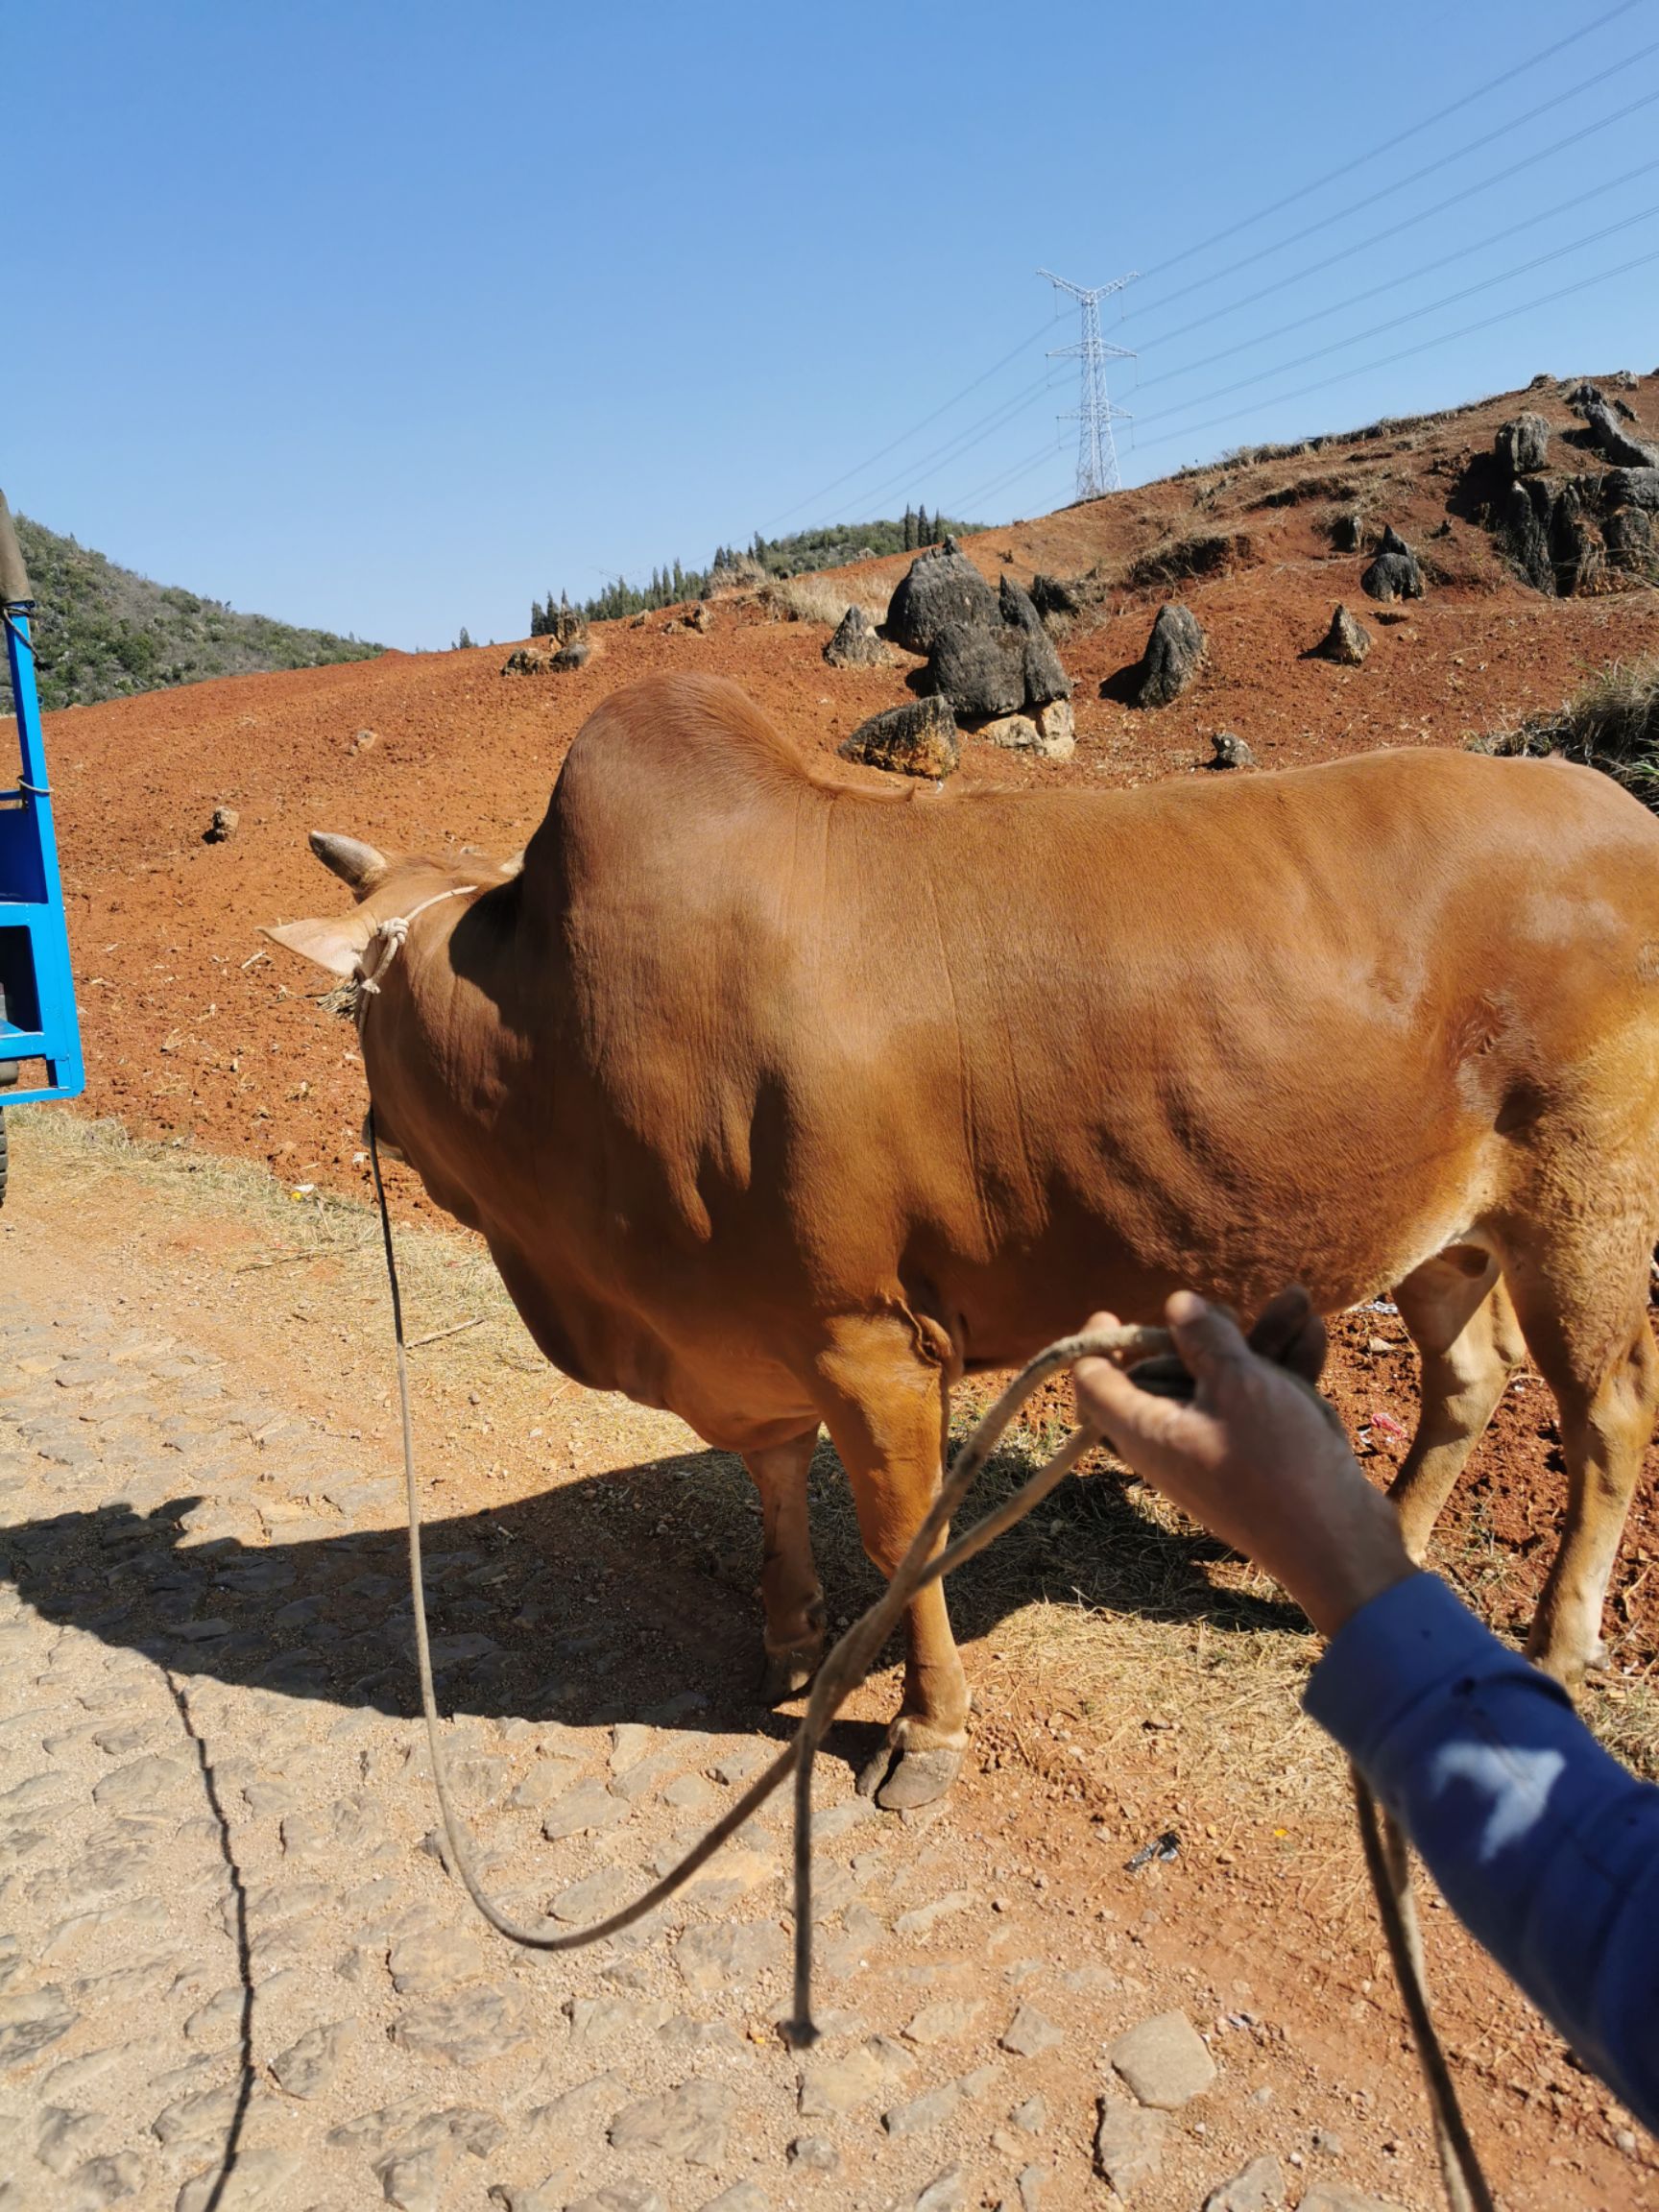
(234, 1972)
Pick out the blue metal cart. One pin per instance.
(39, 1030)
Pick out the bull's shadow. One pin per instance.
(627, 1596)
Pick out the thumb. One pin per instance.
(1206, 1336)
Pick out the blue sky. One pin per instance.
(389, 317)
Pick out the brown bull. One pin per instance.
(784, 1100)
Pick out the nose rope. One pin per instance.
(393, 934)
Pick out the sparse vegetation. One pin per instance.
(732, 567)
(1611, 724)
(100, 632)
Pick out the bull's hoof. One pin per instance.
(902, 1781)
(786, 1675)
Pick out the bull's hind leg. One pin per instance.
(886, 1405)
(1584, 1312)
(790, 1592)
(1463, 1325)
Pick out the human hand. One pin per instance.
(1256, 1456)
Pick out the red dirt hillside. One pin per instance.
(182, 1036)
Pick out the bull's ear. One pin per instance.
(333, 941)
(355, 863)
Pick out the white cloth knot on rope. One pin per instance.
(394, 933)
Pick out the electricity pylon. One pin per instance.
(1097, 452)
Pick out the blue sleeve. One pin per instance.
(1543, 1845)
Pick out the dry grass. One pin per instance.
(825, 596)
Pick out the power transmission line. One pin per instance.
(1347, 252)
(1411, 314)
(1096, 454)
(1429, 169)
(1325, 309)
(1387, 145)
(912, 475)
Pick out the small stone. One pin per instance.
(741, 2197)
(1346, 642)
(624, 2196)
(205, 2112)
(830, 2086)
(551, 2193)
(1230, 752)
(728, 1957)
(915, 739)
(1014, 732)
(922, 1920)
(630, 1741)
(816, 2152)
(412, 2179)
(1258, 2188)
(689, 2122)
(594, 1897)
(1128, 2144)
(145, 1786)
(1326, 2142)
(577, 2111)
(258, 2179)
(945, 2021)
(308, 2067)
(1394, 574)
(546, 1780)
(222, 826)
(1164, 2061)
(467, 2027)
(1028, 2032)
(29, 2023)
(1176, 652)
(1031, 2117)
(1334, 2197)
(1057, 730)
(107, 2180)
(921, 2113)
(434, 1959)
(857, 644)
(1030, 2187)
(590, 1809)
(691, 1794)
(62, 2137)
(1523, 446)
(946, 2191)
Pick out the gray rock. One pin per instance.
(1258, 2188)
(107, 2180)
(980, 670)
(258, 2179)
(31, 2021)
(857, 644)
(691, 2123)
(414, 2179)
(202, 2114)
(63, 2138)
(1523, 446)
(546, 1780)
(1230, 752)
(1030, 2186)
(308, 2067)
(551, 2193)
(578, 2111)
(946, 2191)
(590, 1809)
(1394, 574)
(1128, 2144)
(941, 586)
(1164, 2061)
(1523, 531)
(467, 2026)
(594, 1897)
(921, 2113)
(1630, 538)
(1632, 488)
(1346, 642)
(1045, 677)
(1031, 2117)
(145, 1786)
(1346, 532)
(1173, 657)
(1028, 2033)
(741, 2197)
(434, 1959)
(915, 739)
(816, 2152)
(624, 2196)
(1614, 443)
(946, 2022)
(923, 1920)
(833, 2086)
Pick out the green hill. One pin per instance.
(101, 632)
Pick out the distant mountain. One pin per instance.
(100, 632)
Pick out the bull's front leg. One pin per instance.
(886, 1403)
(790, 1595)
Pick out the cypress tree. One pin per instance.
(909, 528)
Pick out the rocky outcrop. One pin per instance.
(1523, 446)
(1632, 488)
(1614, 443)
(1632, 539)
(1346, 642)
(857, 644)
(1394, 574)
(1052, 732)
(941, 586)
(1046, 679)
(989, 671)
(1174, 654)
(915, 739)
(1523, 531)
(1576, 553)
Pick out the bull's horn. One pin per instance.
(355, 863)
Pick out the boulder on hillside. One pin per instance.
(1575, 549)
(1632, 488)
(1523, 446)
(1230, 751)
(1523, 531)
(1062, 600)
(915, 739)
(1614, 443)
(1633, 542)
(1394, 574)
(1345, 532)
(1046, 679)
(1174, 655)
(855, 644)
(981, 671)
(941, 586)
(1346, 642)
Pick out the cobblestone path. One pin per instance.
(234, 1972)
